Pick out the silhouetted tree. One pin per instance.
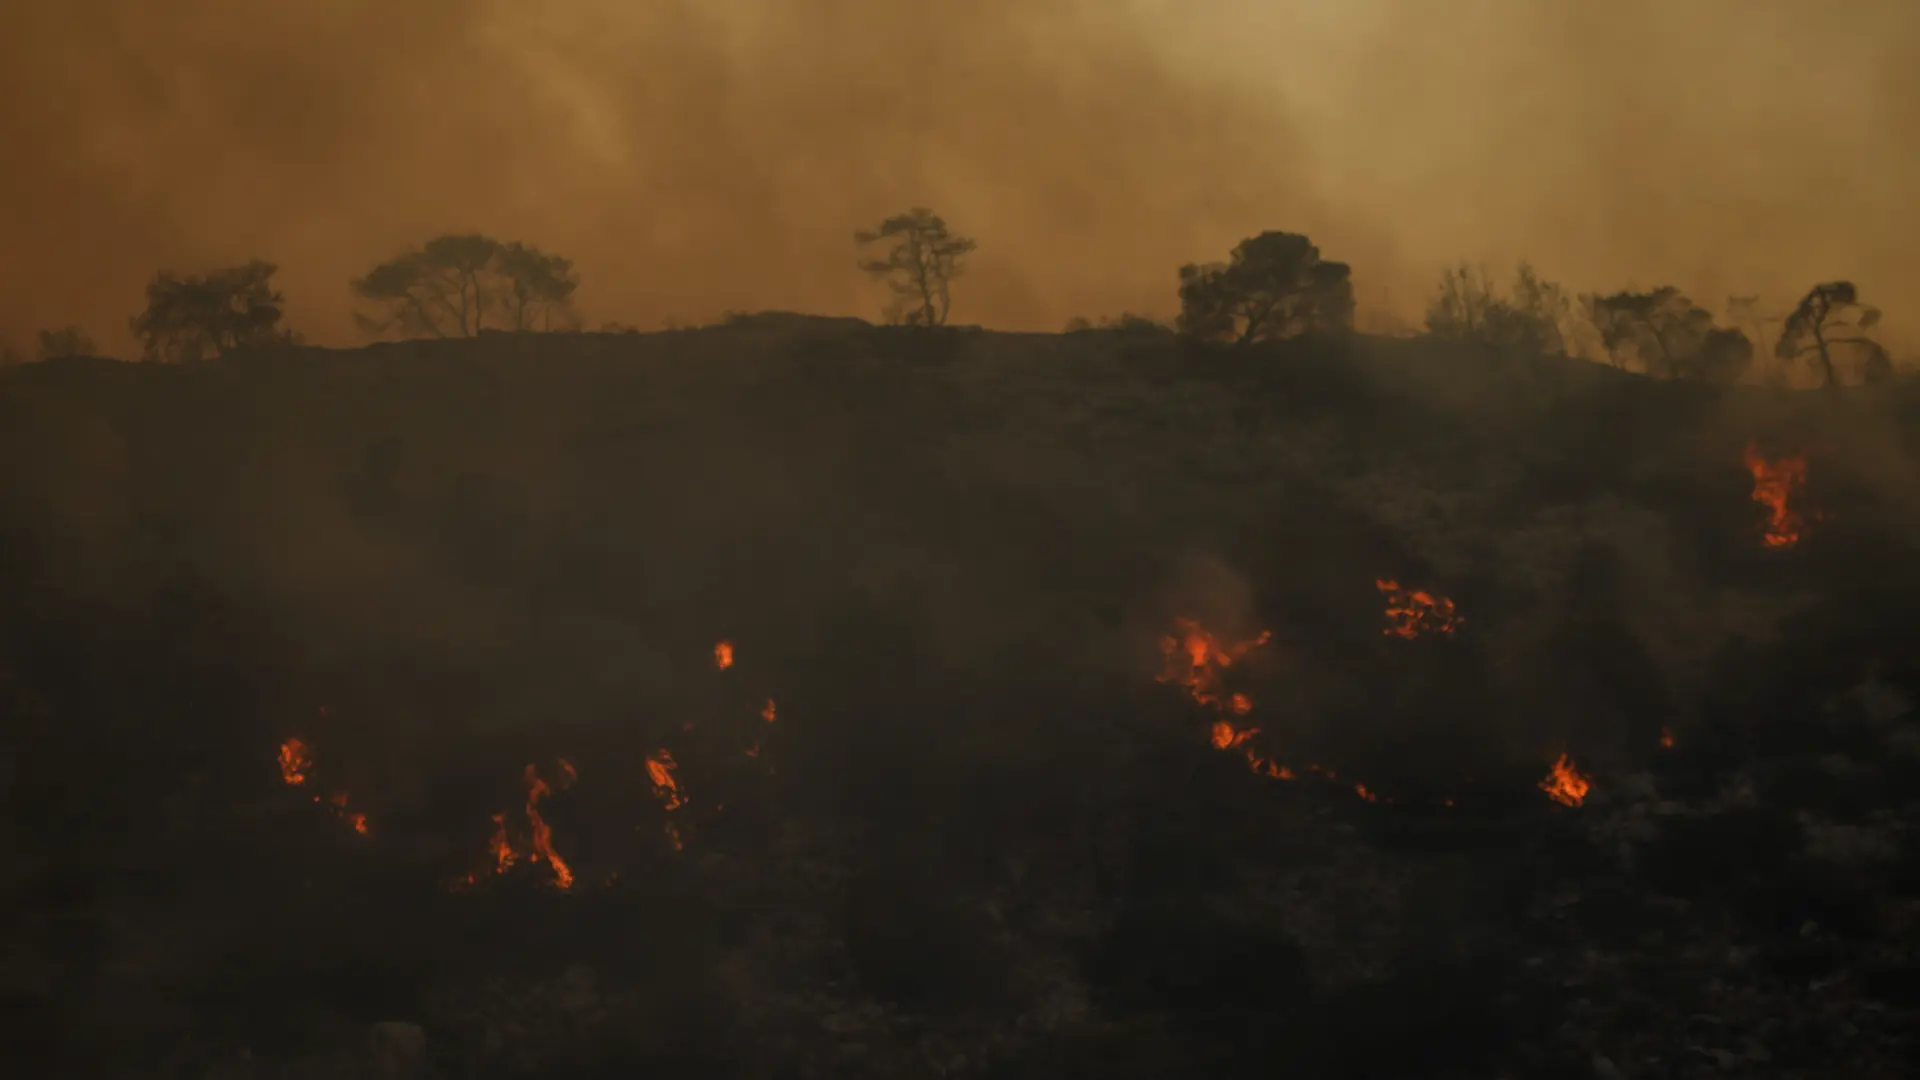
(192, 318)
(1672, 336)
(922, 261)
(64, 342)
(459, 285)
(1467, 308)
(1831, 316)
(1273, 286)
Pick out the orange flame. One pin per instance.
(660, 769)
(723, 655)
(1413, 612)
(769, 714)
(295, 759)
(502, 846)
(1565, 785)
(542, 832)
(1195, 661)
(1666, 738)
(1774, 485)
(666, 788)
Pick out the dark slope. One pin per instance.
(980, 839)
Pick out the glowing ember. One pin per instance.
(338, 800)
(1412, 613)
(769, 713)
(1774, 485)
(296, 758)
(1565, 785)
(723, 655)
(1666, 738)
(1195, 661)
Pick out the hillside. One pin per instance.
(282, 634)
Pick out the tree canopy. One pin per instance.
(191, 318)
(65, 342)
(1468, 308)
(1670, 335)
(1274, 285)
(922, 260)
(459, 285)
(1829, 317)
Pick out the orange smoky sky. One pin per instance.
(698, 156)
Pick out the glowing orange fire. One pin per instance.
(296, 758)
(501, 845)
(296, 762)
(1774, 485)
(723, 655)
(769, 714)
(1666, 738)
(1196, 660)
(666, 787)
(539, 848)
(538, 789)
(352, 817)
(1412, 613)
(1565, 784)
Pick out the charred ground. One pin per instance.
(981, 838)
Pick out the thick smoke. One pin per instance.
(700, 157)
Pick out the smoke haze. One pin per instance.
(697, 157)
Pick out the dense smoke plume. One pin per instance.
(700, 157)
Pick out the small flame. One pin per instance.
(1774, 485)
(296, 762)
(1565, 785)
(338, 801)
(1666, 738)
(502, 846)
(660, 769)
(666, 788)
(769, 714)
(296, 758)
(538, 789)
(1412, 613)
(1195, 660)
(723, 655)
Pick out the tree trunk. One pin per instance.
(1826, 359)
